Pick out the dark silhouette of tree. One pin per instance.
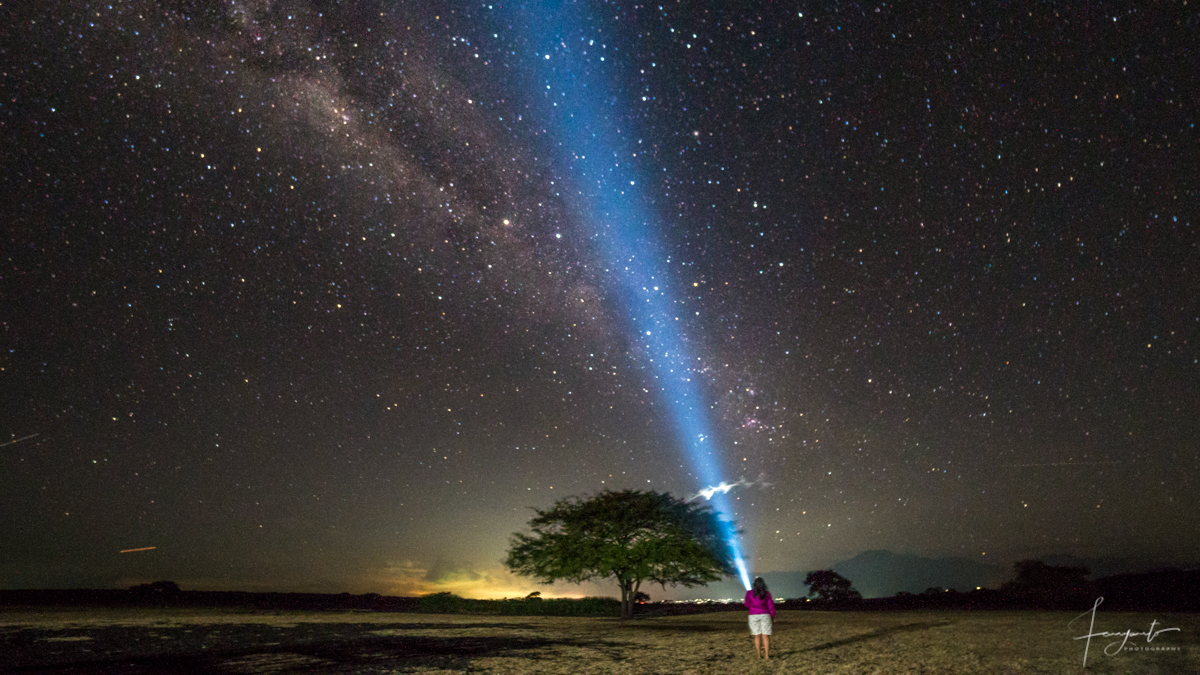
(1047, 585)
(641, 597)
(631, 536)
(831, 587)
(156, 588)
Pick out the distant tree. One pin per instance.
(444, 602)
(157, 588)
(630, 536)
(1035, 581)
(536, 595)
(641, 597)
(830, 586)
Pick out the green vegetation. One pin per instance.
(630, 536)
(831, 587)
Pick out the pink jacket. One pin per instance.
(756, 606)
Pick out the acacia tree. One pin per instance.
(832, 587)
(631, 536)
(1048, 584)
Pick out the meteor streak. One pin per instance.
(144, 548)
(23, 438)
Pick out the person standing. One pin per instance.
(762, 615)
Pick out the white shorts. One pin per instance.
(760, 624)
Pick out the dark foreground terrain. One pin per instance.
(153, 641)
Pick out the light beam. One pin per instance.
(573, 63)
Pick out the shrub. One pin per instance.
(440, 603)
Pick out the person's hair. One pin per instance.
(759, 588)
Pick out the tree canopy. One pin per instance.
(1048, 585)
(631, 536)
(830, 586)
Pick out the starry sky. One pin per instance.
(312, 295)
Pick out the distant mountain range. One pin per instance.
(878, 574)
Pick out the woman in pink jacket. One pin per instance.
(762, 615)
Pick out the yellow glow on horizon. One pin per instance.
(509, 594)
(411, 578)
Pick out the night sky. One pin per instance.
(323, 296)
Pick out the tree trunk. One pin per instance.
(626, 598)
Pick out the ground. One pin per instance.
(148, 641)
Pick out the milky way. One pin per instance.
(324, 296)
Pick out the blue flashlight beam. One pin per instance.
(573, 68)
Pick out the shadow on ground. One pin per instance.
(252, 648)
(876, 634)
(678, 627)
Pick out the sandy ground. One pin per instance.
(147, 641)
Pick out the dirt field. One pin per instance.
(144, 641)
